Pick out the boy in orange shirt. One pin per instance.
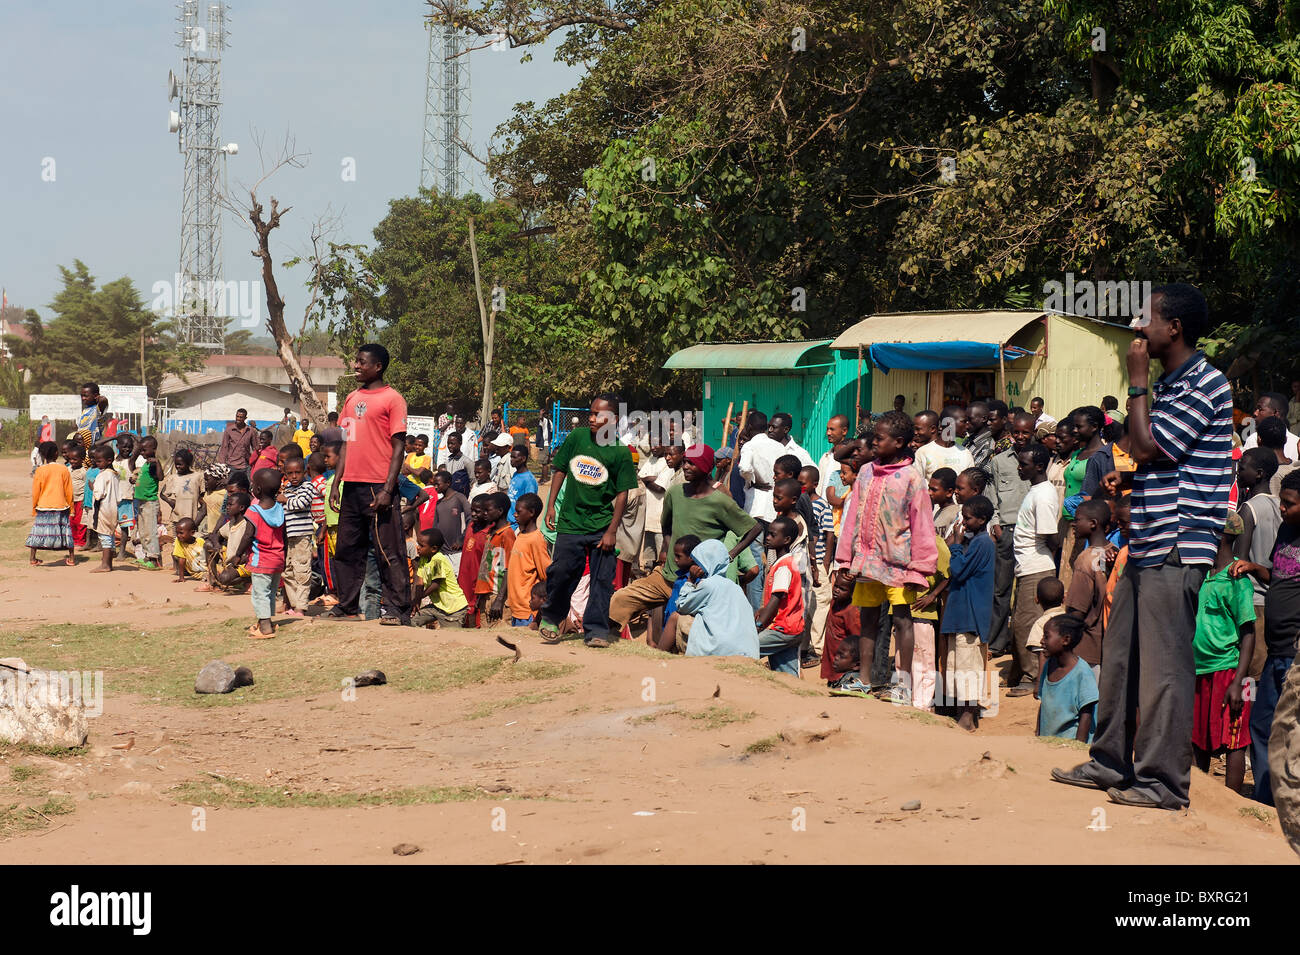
(496, 555)
(528, 561)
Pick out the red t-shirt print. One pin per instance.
(784, 579)
(369, 420)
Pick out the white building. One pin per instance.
(206, 400)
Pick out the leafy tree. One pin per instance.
(95, 335)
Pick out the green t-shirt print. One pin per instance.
(594, 475)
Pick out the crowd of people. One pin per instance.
(1140, 569)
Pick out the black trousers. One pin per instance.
(569, 557)
(360, 526)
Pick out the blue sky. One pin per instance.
(85, 84)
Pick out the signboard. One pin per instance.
(57, 407)
(418, 424)
(126, 399)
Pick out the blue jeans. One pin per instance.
(371, 588)
(266, 588)
(754, 590)
(781, 650)
(521, 621)
(1267, 691)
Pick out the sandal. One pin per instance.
(390, 621)
(34, 562)
(255, 633)
(550, 635)
(69, 562)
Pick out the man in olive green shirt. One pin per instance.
(694, 507)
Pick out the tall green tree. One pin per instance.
(96, 335)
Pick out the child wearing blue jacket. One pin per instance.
(968, 614)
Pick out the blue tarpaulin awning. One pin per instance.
(924, 356)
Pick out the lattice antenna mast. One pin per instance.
(446, 111)
(200, 297)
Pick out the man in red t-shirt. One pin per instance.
(373, 420)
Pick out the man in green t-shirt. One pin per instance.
(602, 473)
(694, 507)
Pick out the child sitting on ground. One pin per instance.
(223, 573)
(529, 559)
(659, 634)
(843, 627)
(968, 613)
(436, 579)
(187, 552)
(1222, 650)
(1067, 688)
(1051, 597)
(779, 619)
(263, 550)
(713, 616)
(1087, 592)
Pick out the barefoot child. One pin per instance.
(187, 552)
(1086, 595)
(146, 477)
(665, 629)
(1067, 689)
(493, 575)
(75, 456)
(436, 579)
(1051, 597)
(473, 545)
(104, 510)
(51, 506)
(125, 492)
(298, 497)
(968, 614)
(843, 627)
(182, 491)
(887, 542)
(263, 550)
(223, 572)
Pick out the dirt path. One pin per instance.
(620, 757)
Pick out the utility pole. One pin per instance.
(488, 324)
(142, 381)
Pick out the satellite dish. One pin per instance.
(173, 85)
(173, 121)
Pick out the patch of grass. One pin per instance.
(1256, 812)
(22, 772)
(638, 648)
(16, 818)
(652, 716)
(160, 664)
(921, 716)
(232, 793)
(715, 717)
(756, 671)
(524, 699)
(764, 745)
(1057, 742)
(54, 752)
(189, 609)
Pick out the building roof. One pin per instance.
(270, 361)
(996, 327)
(771, 355)
(174, 384)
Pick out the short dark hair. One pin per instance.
(377, 352)
(240, 480)
(335, 446)
(531, 501)
(927, 414)
(1109, 403)
(757, 417)
(1184, 302)
(1050, 592)
(899, 425)
(1263, 460)
(998, 405)
(186, 455)
(788, 486)
(789, 528)
(293, 449)
(433, 537)
(687, 541)
(812, 470)
(1038, 453)
(1291, 482)
(1096, 509)
(268, 480)
(1071, 628)
(332, 417)
(946, 477)
(1279, 401)
(1271, 432)
(316, 462)
(976, 477)
(501, 499)
(787, 463)
(980, 506)
(1038, 399)
(239, 498)
(91, 386)
(49, 450)
(781, 416)
(1096, 417)
(608, 398)
(243, 411)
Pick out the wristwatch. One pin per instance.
(1136, 392)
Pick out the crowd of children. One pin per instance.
(910, 557)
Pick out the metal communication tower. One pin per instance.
(200, 300)
(446, 112)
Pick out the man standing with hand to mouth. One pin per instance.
(1180, 427)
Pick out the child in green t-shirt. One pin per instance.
(1221, 648)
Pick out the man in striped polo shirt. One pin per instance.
(1183, 446)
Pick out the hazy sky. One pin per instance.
(84, 83)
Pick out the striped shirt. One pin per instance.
(825, 524)
(297, 509)
(1182, 498)
(318, 502)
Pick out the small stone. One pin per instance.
(243, 676)
(912, 805)
(370, 678)
(217, 676)
(405, 849)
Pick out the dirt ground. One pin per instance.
(570, 756)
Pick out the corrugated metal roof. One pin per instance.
(174, 384)
(271, 361)
(976, 325)
(774, 355)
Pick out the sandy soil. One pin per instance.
(588, 768)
